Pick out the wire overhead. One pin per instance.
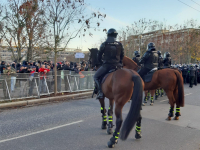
(195, 2)
(189, 6)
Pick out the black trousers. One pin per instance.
(191, 80)
(143, 71)
(184, 78)
(103, 70)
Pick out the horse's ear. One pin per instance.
(89, 49)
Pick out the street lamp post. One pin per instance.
(140, 36)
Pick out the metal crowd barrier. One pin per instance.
(23, 85)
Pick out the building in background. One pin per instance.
(67, 54)
(183, 44)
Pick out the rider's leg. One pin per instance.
(100, 72)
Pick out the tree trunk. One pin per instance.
(30, 52)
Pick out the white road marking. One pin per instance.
(167, 99)
(188, 94)
(2, 141)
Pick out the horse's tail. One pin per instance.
(134, 111)
(180, 89)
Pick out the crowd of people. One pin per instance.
(28, 67)
(43, 71)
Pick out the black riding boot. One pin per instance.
(100, 93)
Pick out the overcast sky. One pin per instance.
(124, 12)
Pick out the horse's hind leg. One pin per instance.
(103, 111)
(157, 94)
(138, 128)
(110, 117)
(177, 114)
(145, 98)
(152, 98)
(118, 113)
(171, 98)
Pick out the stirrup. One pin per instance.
(100, 95)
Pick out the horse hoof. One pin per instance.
(111, 144)
(138, 136)
(103, 127)
(168, 118)
(151, 104)
(143, 104)
(176, 118)
(109, 131)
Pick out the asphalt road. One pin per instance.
(75, 125)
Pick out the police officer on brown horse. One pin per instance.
(137, 57)
(167, 60)
(149, 59)
(113, 53)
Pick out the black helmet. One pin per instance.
(167, 54)
(112, 32)
(137, 53)
(151, 46)
(159, 53)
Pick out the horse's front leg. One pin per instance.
(103, 112)
(119, 120)
(110, 117)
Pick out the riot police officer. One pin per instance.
(149, 59)
(160, 60)
(137, 57)
(167, 60)
(113, 53)
(184, 73)
(192, 73)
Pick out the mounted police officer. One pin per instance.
(137, 57)
(160, 60)
(149, 59)
(113, 53)
(167, 60)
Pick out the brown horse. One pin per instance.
(168, 79)
(119, 87)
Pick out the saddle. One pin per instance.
(149, 75)
(102, 79)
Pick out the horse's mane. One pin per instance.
(129, 63)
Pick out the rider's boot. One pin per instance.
(100, 93)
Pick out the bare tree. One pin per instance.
(33, 14)
(66, 19)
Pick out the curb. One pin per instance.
(44, 100)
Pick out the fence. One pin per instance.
(22, 85)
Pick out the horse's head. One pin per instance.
(93, 60)
(129, 64)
